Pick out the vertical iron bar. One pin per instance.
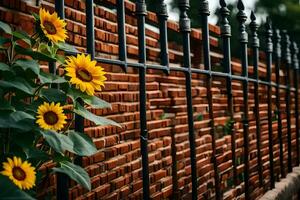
(226, 35)
(269, 51)
(255, 50)
(296, 86)
(90, 48)
(185, 29)
(243, 38)
(204, 13)
(287, 64)
(162, 15)
(141, 13)
(277, 58)
(121, 32)
(62, 185)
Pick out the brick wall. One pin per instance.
(116, 169)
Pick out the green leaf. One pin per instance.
(3, 41)
(5, 105)
(20, 35)
(83, 145)
(92, 117)
(35, 154)
(11, 191)
(18, 119)
(47, 78)
(58, 142)
(66, 47)
(60, 59)
(4, 67)
(54, 140)
(75, 172)
(28, 65)
(53, 95)
(19, 84)
(93, 101)
(5, 27)
(34, 54)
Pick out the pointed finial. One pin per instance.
(242, 17)
(295, 56)
(277, 41)
(296, 49)
(240, 5)
(252, 16)
(254, 27)
(269, 34)
(287, 45)
(204, 7)
(223, 3)
(225, 26)
(162, 10)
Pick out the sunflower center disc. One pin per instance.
(84, 75)
(50, 28)
(50, 118)
(19, 173)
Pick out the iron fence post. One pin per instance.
(185, 29)
(121, 33)
(277, 58)
(287, 63)
(141, 13)
(204, 13)
(226, 35)
(243, 38)
(163, 34)
(269, 51)
(255, 51)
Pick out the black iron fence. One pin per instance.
(285, 57)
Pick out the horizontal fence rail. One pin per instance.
(283, 58)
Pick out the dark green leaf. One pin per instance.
(5, 27)
(54, 140)
(20, 35)
(18, 119)
(35, 154)
(19, 84)
(5, 105)
(92, 117)
(60, 59)
(4, 67)
(75, 172)
(82, 144)
(59, 142)
(66, 47)
(53, 95)
(47, 78)
(93, 101)
(34, 54)
(3, 41)
(28, 64)
(11, 191)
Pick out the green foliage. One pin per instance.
(281, 12)
(11, 191)
(24, 87)
(75, 172)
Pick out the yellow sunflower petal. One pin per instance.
(20, 173)
(52, 115)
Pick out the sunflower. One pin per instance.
(52, 26)
(21, 173)
(51, 116)
(84, 73)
